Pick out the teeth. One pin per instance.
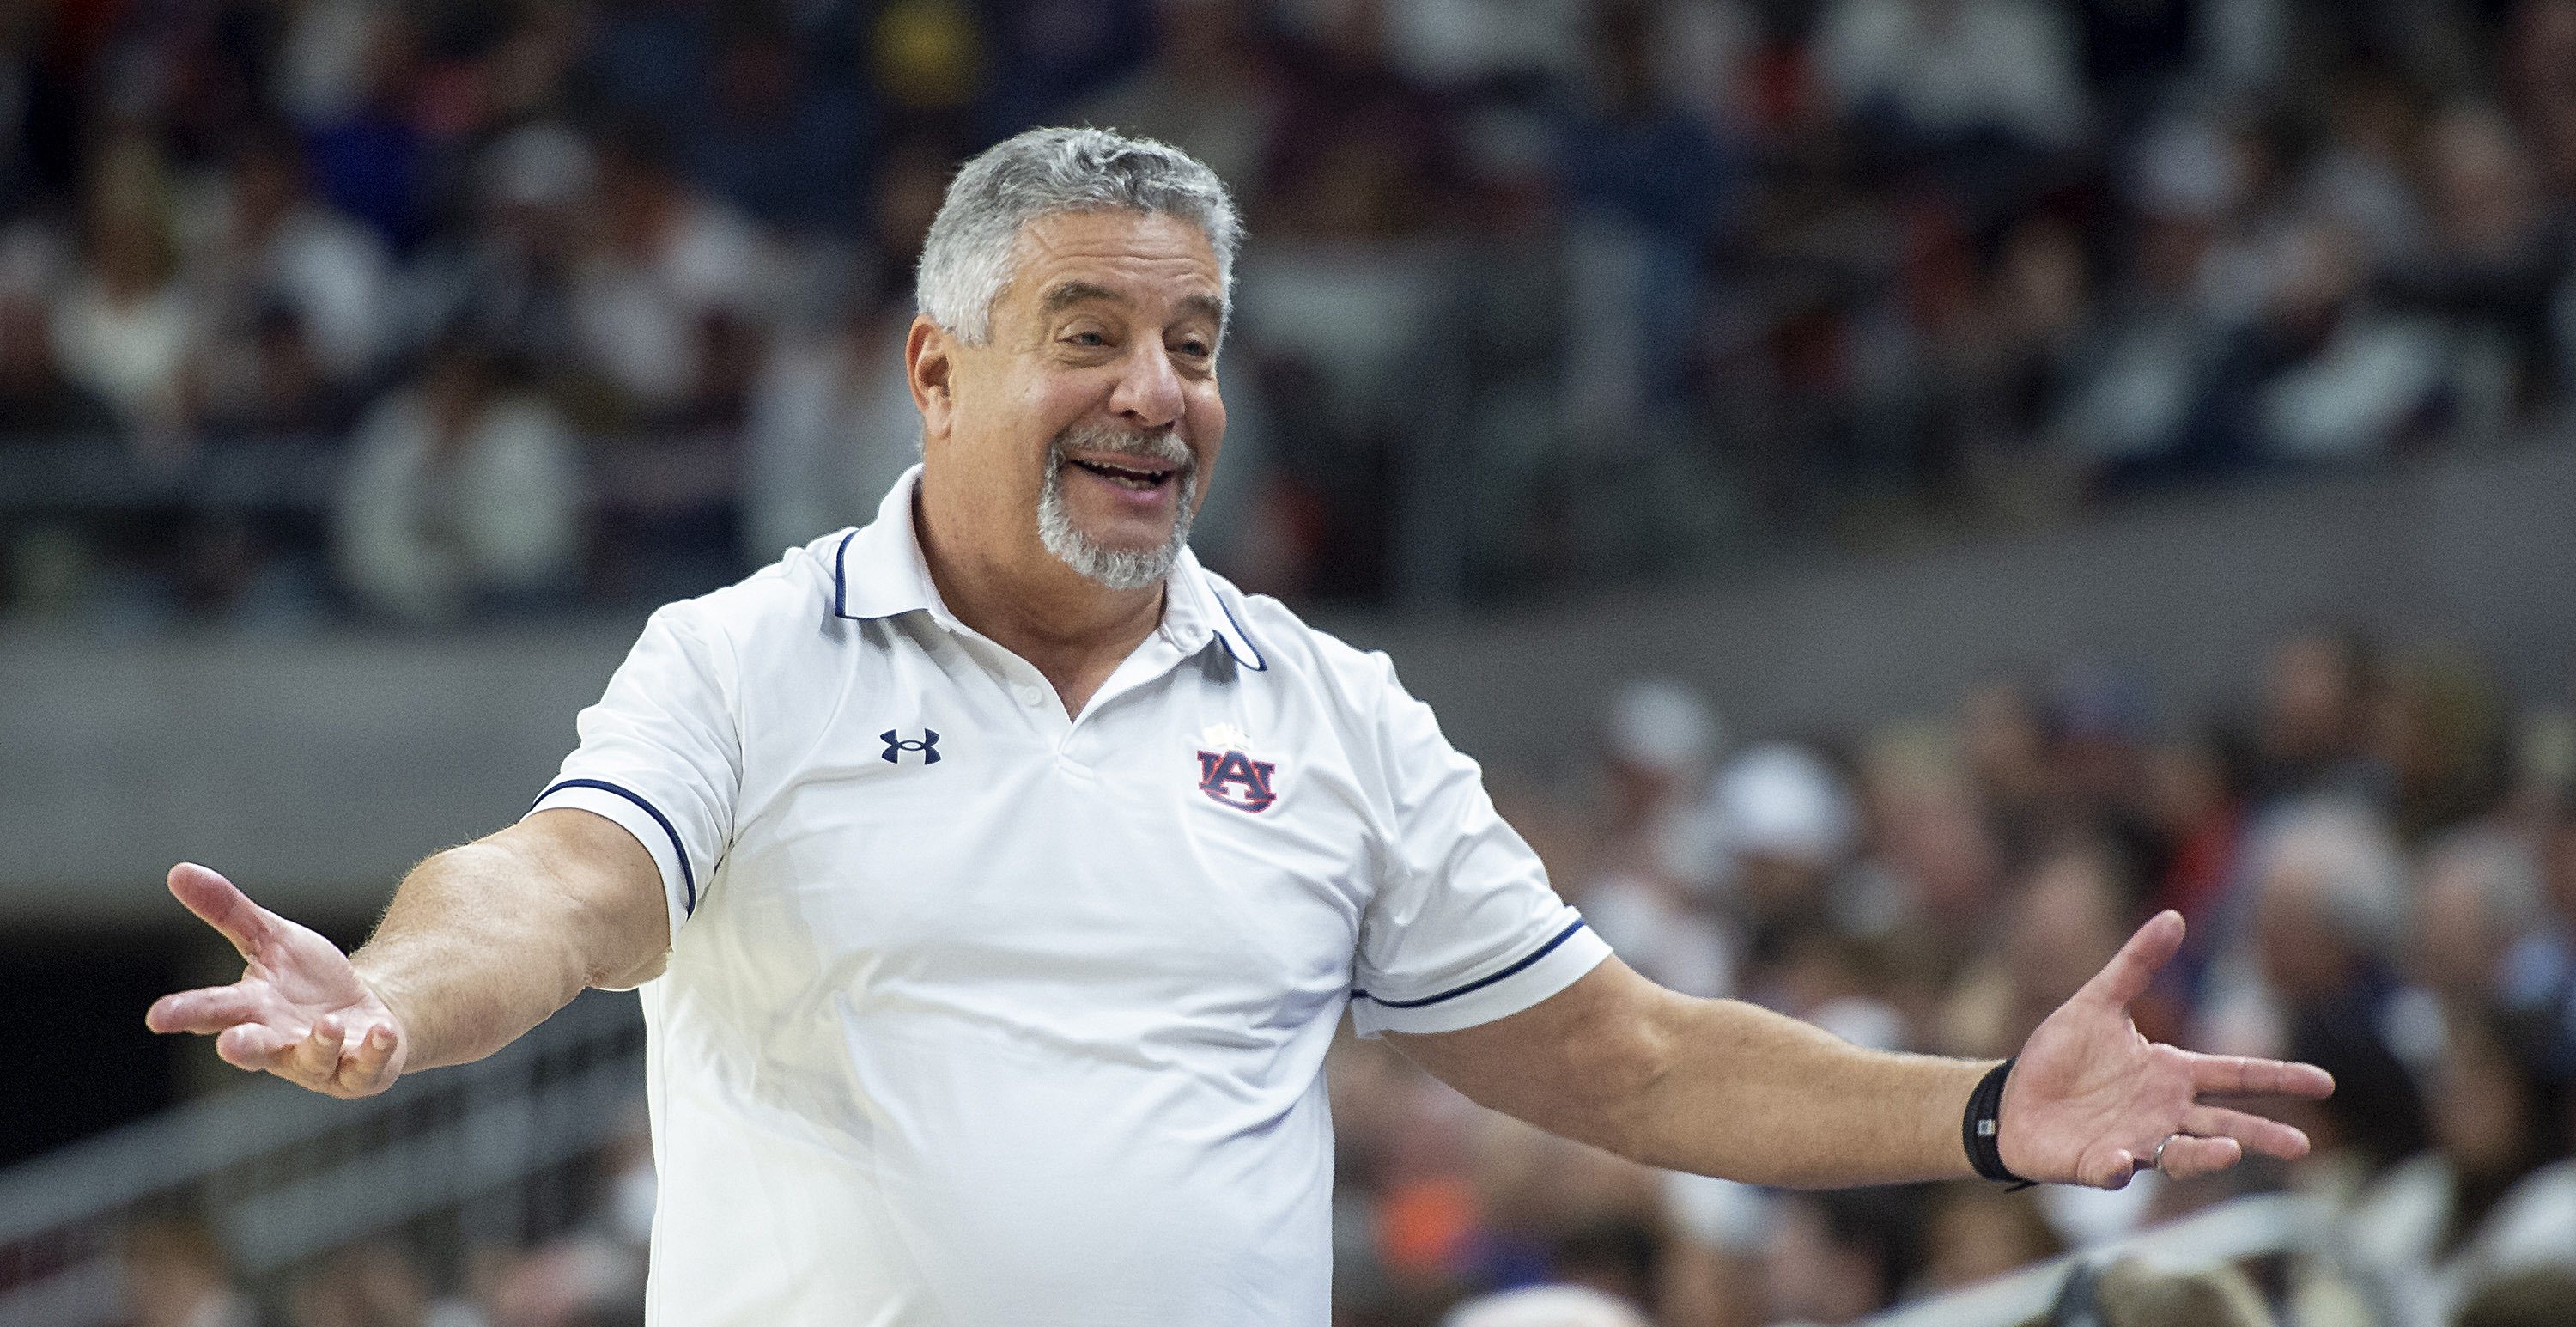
(1135, 479)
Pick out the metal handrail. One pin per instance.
(283, 1175)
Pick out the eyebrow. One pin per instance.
(1065, 294)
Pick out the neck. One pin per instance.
(1069, 627)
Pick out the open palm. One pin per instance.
(300, 1011)
(2091, 1100)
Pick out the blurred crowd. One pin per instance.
(2377, 859)
(427, 309)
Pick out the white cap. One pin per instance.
(1546, 1306)
(1663, 725)
(1779, 799)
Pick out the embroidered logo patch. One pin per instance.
(1237, 780)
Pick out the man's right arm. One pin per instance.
(482, 943)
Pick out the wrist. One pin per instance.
(1981, 1128)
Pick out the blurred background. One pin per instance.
(1893, 490)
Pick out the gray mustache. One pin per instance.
(1160, 445)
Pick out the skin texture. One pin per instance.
(1721, 1087)
(482, 943)
(1110, 318)
(1111, 321)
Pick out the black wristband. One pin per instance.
(1981, 1129)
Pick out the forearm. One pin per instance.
(485, 941)
(1752, 1095)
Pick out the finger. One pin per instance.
(2238, 1075)
(2125, 977)
(2112, 1171)
(222, 906)
(211, 1009)
(256, 1047)
(316, 1059)
(2269, 1137)
(367, 1064)
(2187, 1157)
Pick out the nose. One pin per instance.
(1148, 395)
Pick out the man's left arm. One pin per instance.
(1720, 1087)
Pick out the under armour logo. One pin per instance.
(928, 746)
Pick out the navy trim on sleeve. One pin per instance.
(1481, 982)
(688, 878)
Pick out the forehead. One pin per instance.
(1144, 257)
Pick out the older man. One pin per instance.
(996, 876)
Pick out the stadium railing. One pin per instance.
(470, 1155)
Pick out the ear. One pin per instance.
(930, 366)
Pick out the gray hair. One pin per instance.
(2498, 865)
(2345, 855)
(973, 243)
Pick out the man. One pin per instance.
(996, 877)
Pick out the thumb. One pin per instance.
(221, 905)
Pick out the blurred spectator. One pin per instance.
(38, 400)
(1840, 1255)
(373, 1284)
(125, 328)
(2539, 974)
(2497, 1193)
(1649, 190)
(509, 276)
(2440, 732)
(2128, 1293)
(368, 154)
(2319, 691)
(268, 246)
(2064, 921)
(1977, 1234)
(569, 1283)
(175, 1275)
(2477, 893)
(460, 495)
(1204, 88)
(2491, 263)
(1972, 89)
(768, 142)
(283, 389)
(831, 423)
(665, 262)
(2134, 375)
(831, 426)
(2327, 372)
(2327, 903)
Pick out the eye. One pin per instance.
(1195, 348)
(1089, 339)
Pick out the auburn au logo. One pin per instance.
(1237, 780)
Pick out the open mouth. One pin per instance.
(1143, 477)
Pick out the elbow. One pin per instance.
(1629, 1068)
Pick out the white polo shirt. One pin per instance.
(979, 1015)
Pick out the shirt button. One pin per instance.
(1029, 695)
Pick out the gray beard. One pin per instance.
(1116, 568)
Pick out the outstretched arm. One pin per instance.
(1720, 1087)
(482, 943)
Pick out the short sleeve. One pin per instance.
(1464, 928)
(661, 754)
